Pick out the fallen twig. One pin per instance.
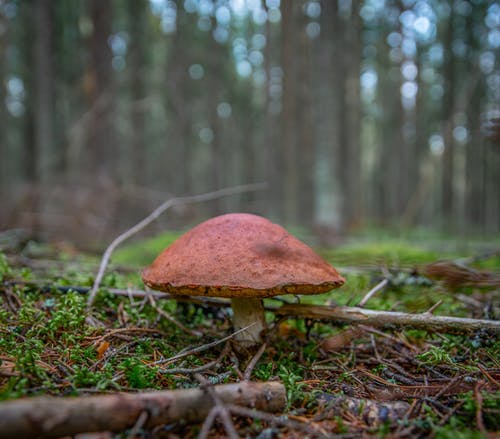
(44, 417)
(253, 362)
(167, 316)
(154, 215)
(219, 410)
(201, 348)
(198, 369)
(346, 314)
(141, 420)
(285, 421)
(479, 409)
(372, 292)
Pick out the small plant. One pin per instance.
(138, 374)
(291, 377)
(5, 269)
(435, 356)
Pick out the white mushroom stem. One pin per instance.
(248, 311)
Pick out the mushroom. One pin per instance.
(243, 257)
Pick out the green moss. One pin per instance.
(142, 253)
(48, 347)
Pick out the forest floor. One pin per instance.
(341, 381)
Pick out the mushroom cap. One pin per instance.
(240, 255)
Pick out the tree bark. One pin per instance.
(181, 93)
(447, 177)
(288, 127)
(137, 15)
(306, 151)
(101, 148)
(44, 417)
(351, 126)
(44, 89)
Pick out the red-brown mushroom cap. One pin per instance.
(240, 255)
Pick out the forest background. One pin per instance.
(355, 113)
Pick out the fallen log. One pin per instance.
(45, 417)
(355, 315)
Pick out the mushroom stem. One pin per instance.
(248, 311)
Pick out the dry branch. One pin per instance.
(44, 417)
(346, 314)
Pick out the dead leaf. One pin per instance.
(101, 349)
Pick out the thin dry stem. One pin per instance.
(253, 362)
(201, 348)
(199, 369)
(372, 292)
(167, 316)
(356, 315)
(222, 411)
(285, 421)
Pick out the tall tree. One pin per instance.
(29, 156)
(4, 153)
(273, 151)
(391, 146)
(138, 25)
(448, 111)
(350, 127)
(44, 90)
(181, 93)
(100, 146)
(327, 97)
(306, 151)
(288, 112)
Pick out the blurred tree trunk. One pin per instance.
(28, 203)
(476, 167)
(391, 124)
(101, 148)
(218, 157)
(180, 104)
(5, 176)
(288, 126)
(306, 151)
(475, 164)
(70, 89)
(29, 156)
(350, 116)
(138, 25)
(44, 90)
(418, 170)
(273, 150)
(448, 111)
(43, 115)
(326, 109)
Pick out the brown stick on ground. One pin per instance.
(347, 314)
(44, 417)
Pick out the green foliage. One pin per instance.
(68, 315)
(138, 374)
(290, 373)
(435, 356)
(144, 252)
(389, 252)
(4, 267)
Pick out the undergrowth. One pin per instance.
(48, 347)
